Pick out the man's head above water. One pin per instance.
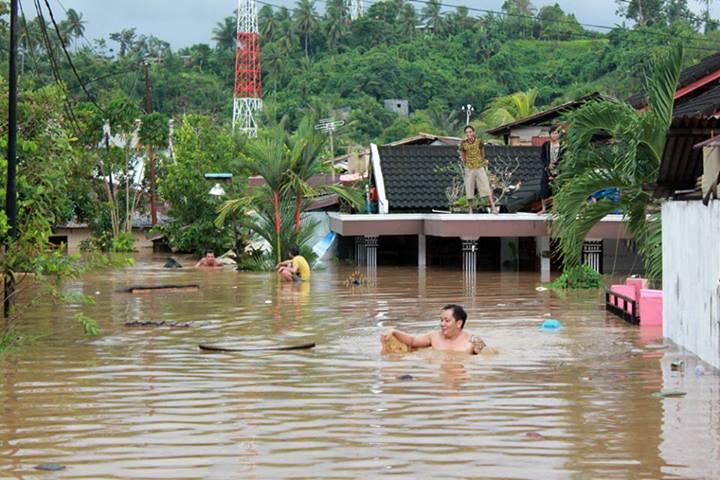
(452, 320)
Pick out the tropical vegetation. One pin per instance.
(611, 145)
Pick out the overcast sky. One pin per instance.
(186, 22)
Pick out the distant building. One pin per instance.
(535, 129)
(401, 107)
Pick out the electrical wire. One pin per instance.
(69, 59)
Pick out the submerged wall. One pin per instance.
(691, 277)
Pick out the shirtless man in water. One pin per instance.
(451, 336)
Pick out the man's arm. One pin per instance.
(415, 341)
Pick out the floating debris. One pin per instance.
(540, 289)
(550, 324)
(534, 435)
(162, 323)
(50, 467)
(162, 288)
(669, 394)
(405, 377)
(356, 279)
(677, 364)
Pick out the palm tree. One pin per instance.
(628, 158)
(433, 17)
(286, 162)
(306, 19)
(336, 19)
(267, 23)
(269, 157)
(509, 108)
(126, 38)
(407, 21)
(273, 61)
(225, 33)
(76, 25)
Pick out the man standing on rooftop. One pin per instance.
(472, 153)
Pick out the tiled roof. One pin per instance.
(705, 104)
(426, 139)
(417, 177)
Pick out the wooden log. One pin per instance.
(163, 288)
(220, 348)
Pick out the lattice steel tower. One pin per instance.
(356, 9)
(248, 78)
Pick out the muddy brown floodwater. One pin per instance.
(145, 403)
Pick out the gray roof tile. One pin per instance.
(416, 176)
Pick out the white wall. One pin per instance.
(691, 277)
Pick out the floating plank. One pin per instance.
(162, 323)
(162, 288)
(219, 348)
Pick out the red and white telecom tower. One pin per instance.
(248, 77)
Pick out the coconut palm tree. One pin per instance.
(75, 24)
(627, 158)
(305, 20)
(336, 22)
(433, 17)
(273, 61)
(225, 33)
(510, 108)
(267, 23)
(126, 38)
(407, 21)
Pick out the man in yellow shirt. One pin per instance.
(472, 152)
(296, 269)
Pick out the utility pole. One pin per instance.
(150, 152)
(329, 125)
(11, 193)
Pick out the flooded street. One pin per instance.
(145, 403)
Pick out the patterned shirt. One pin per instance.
(474, 153)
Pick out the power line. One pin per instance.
(589, 25)
(54, 65)
(69, 59)
(702, 44)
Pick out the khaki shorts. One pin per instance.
(476, 178)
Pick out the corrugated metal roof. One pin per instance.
(705, 67)
(681, 164)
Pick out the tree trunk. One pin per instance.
(276, 202)
(298, 208)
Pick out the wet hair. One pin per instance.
(294, 250)
(208, 252)
(470, 127)
(554, 128)
(458, 313)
